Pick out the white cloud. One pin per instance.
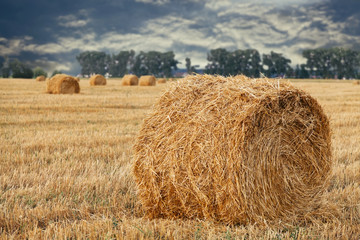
(74, 21)
(229, 24)
(12, 46)
(155, 2)
(49, 65)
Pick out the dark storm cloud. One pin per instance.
(50, 32)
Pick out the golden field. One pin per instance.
(65, 165)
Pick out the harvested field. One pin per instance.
(65, 166)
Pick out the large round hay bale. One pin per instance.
(40, 78)
(62, 83)
(147, 80)
(235, 150)
(130, 80)
(97, 80)
(161, 80)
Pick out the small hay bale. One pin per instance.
(161, 80)
(130, 80)
(356, 82)
(234, 150)
(97, 80)
(147, 80)
(40, 78)
(62, 83)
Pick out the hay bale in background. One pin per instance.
(356, 82)
(147, 80)
(161, 80)
(130, 80)
(235, 150)
(40, 78)
(62, 83)
(97, 80)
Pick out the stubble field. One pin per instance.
(65, 165)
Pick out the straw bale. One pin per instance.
(129, 80)
(40, 78)
(161, 80)
(97, 80)
(233, 150)
(356, 82)
(62, 83)
(77, 79)
(147, 80)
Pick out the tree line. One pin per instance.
(335, 63)
(320, 63)
(160, 64)
(17, 69)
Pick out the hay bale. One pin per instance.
(234, 150)
(356, 82)
(147, 80)
(97, 80)
(77, 79)
(161, 80)
(40, 78)
(130, 80)
(62, 83)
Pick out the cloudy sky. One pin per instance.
(50, 34)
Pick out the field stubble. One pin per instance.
(65, 165)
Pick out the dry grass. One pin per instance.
(65, 166)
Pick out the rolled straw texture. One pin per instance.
(234, 150)
(161, 80)
(62, 83)
(130, 80)
(97, 80)
(147, 80)
(40, 78)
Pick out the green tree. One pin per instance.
(38, 71)
(275, 64)
(2, 60)
(189, 68)
(92, 62)
(55, 72)
(332, 62)
(168, 63)
(155, 63)
(139, 68)
(20, 70)
(245, 62)
(121, 63)
(218, 59)
(5, 69)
